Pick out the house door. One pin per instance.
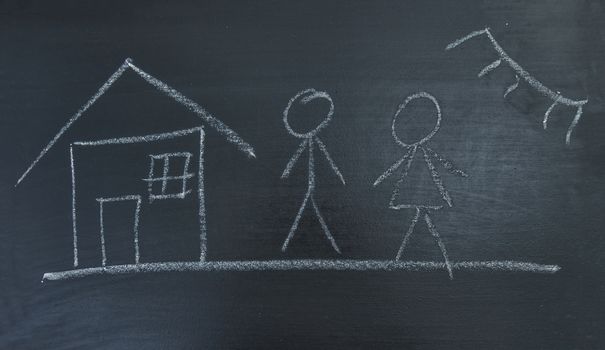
(119, 229)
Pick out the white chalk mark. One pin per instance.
(531, 81)
(404, 173)
(309, 139)
(489, 68)
(323, 148)
(102, 236)
(201, 197)
(447, 164)
(547, 114)
(294, 159)
(165, 178)
(77, 115)
(311, 187)
(73, 204)
(324, 226)
(165, 175)
(461, 40)
(303, 265)
(435, 234)
(135, 229)
(408, 158)
(306, 96)
(296, 220)
(408, 234)
(138, 139)
(407, 100)
(394, 167)
(436, 178)
(512, 87)
(218, 125)
(573, 124)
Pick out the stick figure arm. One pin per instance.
(323, 148)
(294, 158)
(395, 166)
(446, 163)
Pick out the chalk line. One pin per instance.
(303, 265)
(408, 234)
(310, 188)
(404, 174)
(324, 226)
(77, 115)
(201, 198)
(73, 205)
(218, 125)
(294, 158)
(547, 114)
(489, 68)
(440, 243)
(323, 148)
(446, 163)
(135, 231)
(512, 87)
(160, 85)
(137, 139)
(436, 178)
(533, 82)
(394, 167)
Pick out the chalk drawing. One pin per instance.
(164, 179)
(530, 80)
(137, 212)
(428, 155)
(205, 116)
(303, 265)
(309, 140)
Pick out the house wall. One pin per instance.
(169, 229)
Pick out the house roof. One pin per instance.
(191, 105)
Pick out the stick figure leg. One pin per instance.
(440, 243)
(324, 226)
(407, 235)
(296, 220)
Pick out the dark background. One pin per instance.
(528, 197)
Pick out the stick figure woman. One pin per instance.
(309, 140)
(422, 210)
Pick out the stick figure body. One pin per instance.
(310, 139)
(422, 211)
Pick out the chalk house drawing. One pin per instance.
(422, 210)
(309, 140)
(521, 73)
(178, 175)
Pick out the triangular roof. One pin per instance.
(163, 87)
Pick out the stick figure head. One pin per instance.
(402, 107)
(304, 97)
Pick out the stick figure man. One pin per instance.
(422, 210)
(309, 140)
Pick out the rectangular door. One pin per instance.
(119, 229)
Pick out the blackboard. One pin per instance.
(523, 233)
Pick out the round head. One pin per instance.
(303, 98)
(402, 107)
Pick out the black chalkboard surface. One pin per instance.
(302, 175)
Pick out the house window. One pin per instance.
(168, 175)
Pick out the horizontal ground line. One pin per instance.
(301, 265)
